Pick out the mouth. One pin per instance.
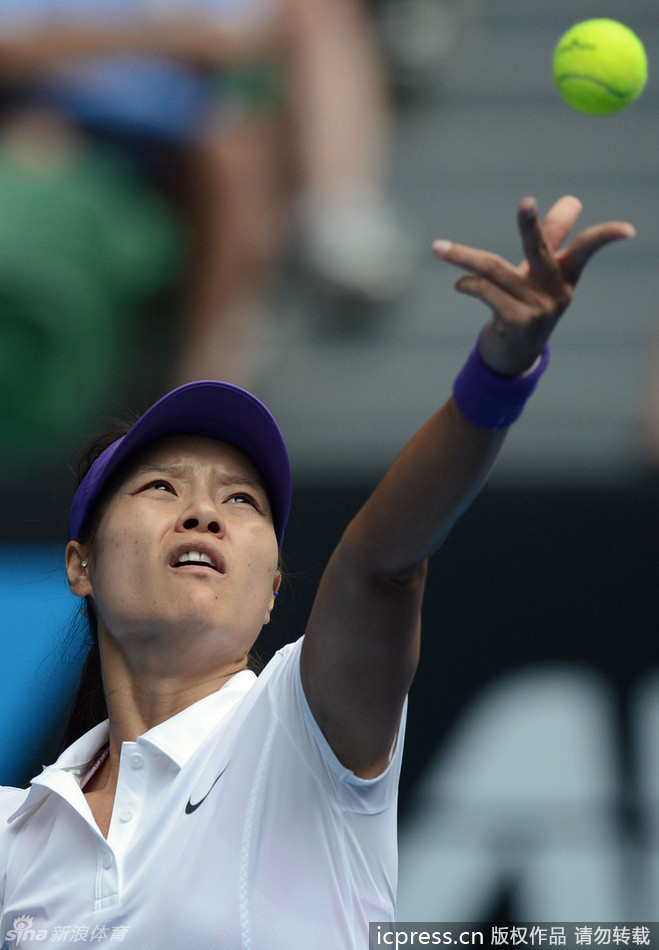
(196, 557)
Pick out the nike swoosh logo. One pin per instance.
(189, 808)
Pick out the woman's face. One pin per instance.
(185, 548)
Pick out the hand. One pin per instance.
(527, 301)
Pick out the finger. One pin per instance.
(482, 263)
(537, 252)
(490, 269)
(560, 219)
(513, 308)
(575, 257)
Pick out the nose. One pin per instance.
(202, 515)
(212, 526)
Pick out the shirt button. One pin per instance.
(106, 861)
(137, 760)
(126, 814)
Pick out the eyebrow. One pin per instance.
(227, 478)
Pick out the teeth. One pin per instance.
(195, 557)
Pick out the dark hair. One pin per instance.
(89, 707)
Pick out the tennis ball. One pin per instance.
(600, 66)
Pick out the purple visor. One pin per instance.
(219, 410)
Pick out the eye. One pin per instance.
(252, 499)
(159, 484)
(243, 498)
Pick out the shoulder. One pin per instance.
(10, 800)
(286, 706)
(284, 665)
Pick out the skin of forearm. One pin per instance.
(425, 491)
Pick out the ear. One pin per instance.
(77, 569)
(275, 591)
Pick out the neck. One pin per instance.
(143, 689)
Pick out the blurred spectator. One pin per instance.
(340, 109)
(241, 111)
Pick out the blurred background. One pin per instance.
(530, 788)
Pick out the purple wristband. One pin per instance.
(492, 401)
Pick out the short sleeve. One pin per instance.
(352, 793)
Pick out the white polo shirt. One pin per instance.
(234, 827)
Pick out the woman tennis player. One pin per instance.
(202, 806)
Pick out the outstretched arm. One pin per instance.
(361, 647)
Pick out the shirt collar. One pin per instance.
(177, 738)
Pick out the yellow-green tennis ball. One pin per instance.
(600, 66)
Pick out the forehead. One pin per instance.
(185, 451)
